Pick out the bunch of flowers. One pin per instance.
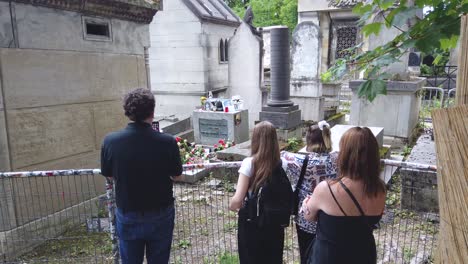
(191, 153)
(223, 144)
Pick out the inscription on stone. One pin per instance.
(213, 128)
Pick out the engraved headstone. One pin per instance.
(210, 127)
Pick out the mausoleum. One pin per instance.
(189, 53)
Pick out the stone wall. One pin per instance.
(217, 71)
(419, 188)
(60, 95)
(245, 70)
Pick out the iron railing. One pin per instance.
(67, 217)
(442, 76)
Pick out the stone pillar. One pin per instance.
(280, 70)
(280, 110)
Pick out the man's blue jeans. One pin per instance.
(150, 230)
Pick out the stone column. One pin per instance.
(280, 110)
(280, 70)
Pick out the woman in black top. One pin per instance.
(348, 208)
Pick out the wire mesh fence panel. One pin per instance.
(54, 219)
(64, 219)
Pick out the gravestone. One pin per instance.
(245, 67)
(402, 97)
(209, 127)
(338, 131)
(306, 89)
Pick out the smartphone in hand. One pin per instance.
(155, 126)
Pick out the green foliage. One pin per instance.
(294, 145)
(184, 244)
(438, 30)
(406, 151)
(268, 12)
(228, 258)
(230, 226)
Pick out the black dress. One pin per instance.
(344, 239)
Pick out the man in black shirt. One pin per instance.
(143, 164)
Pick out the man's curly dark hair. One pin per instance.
(139, 104)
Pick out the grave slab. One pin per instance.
(338, 131)
(419, 188)
(235, 153)
(210, 127)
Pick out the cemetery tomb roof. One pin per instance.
(214, 11)
(344, 3)
(140, 11)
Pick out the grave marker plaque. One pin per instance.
(211, 128)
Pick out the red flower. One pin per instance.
(216, 145)
(178, 139)
(221, 142)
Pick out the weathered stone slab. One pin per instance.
(49, 133)
(312, 108)
(210, 127)
(419, 188)
(107, 117)
(306, 60)
(402, 98)
(192, 176)
(282, 120)
(47, 28)
(6, 34)
(338, 131)
(65, 77)
(235, 153)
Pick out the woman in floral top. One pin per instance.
(321, 166)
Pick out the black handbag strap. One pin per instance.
(301, 176)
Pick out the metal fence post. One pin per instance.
(111, 209)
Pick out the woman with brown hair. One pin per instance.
(347, 209)
(259, 244)
(306, 172)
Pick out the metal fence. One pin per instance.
(66, 217)
(442, 76)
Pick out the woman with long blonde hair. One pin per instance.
(258, 244)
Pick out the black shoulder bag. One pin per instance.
(298, 186)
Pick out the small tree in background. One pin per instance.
(268, 12)
(438, 30)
